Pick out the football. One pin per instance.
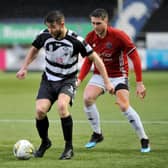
(23, 149)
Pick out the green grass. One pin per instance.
(120, 149)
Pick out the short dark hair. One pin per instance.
(99, 12)
(54, 16)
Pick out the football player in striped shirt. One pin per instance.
(62, 48)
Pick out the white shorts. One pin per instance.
(97, 80)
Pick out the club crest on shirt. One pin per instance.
(109, 45)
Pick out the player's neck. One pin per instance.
(63, 34)
(103, 33)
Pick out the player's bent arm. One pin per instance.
(101, 68)
(32, 54)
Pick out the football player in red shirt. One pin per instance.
(114, 47)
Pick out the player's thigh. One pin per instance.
(62, 104)
(122, 98)
(92, 92)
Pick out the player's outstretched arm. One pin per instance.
(21, 74)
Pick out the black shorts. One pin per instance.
(122, 86)
(51, 89)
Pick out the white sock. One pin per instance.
(135, 121)
(93, 117)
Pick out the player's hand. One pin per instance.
(21, 74)
(78, 82)
(110, 88)
(140, 90)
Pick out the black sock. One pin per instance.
(42, 128)
(67, 127)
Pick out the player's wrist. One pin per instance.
(79, 79)
(24, 68)
(139, 82)
(106, 81)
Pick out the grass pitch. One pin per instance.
(121, 147)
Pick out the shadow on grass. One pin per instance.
(6, 154)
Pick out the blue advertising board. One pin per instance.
(157, 59)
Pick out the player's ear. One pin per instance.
(106, 20)
(62, 24)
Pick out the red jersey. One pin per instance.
(113, 50)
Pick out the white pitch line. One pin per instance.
(83, 121)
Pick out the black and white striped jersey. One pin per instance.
(61, 56)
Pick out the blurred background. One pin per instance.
(145, 21)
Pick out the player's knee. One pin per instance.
(122, 99)
(123, 105)
(62, 108)
(40, 112)
(61, 105)
(88, 100)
